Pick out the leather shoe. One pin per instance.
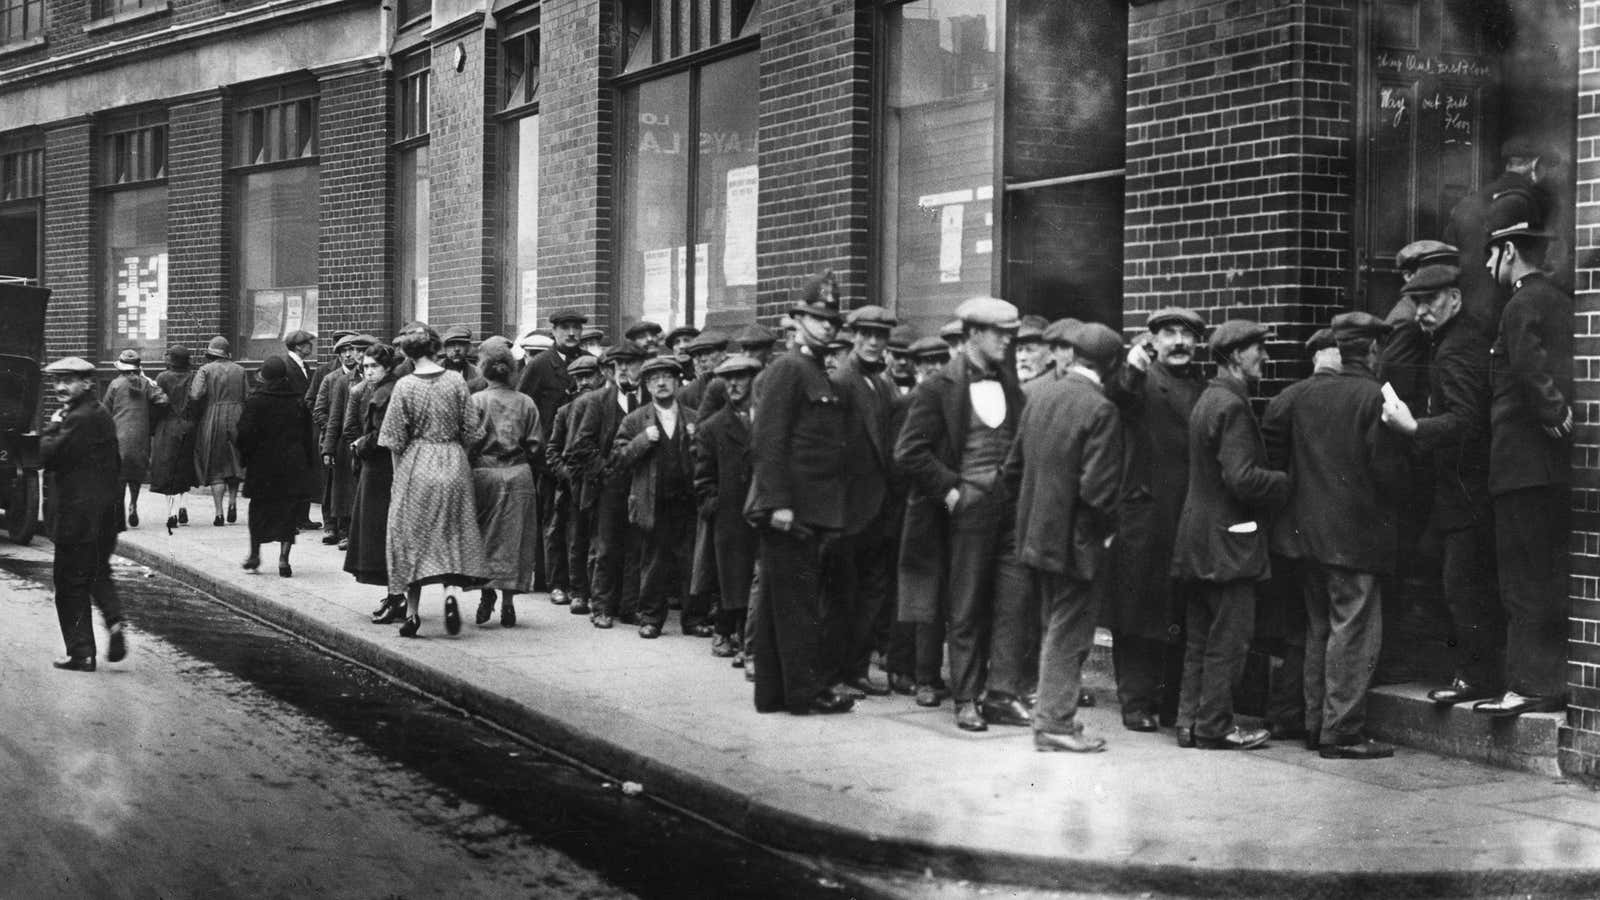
(1460, 691)
(285, 570)
(485, 608)
(508, 612)
(118, 647)
(825, 703)
(700, 630)
(183, 516)
(1139, 722)
(601, 620)
(1366, 749)
(650, 632)
(452, 615)
(1050, 742)
(868, 687)
(1004, 709)
(927, 695)
(722, 647)
(308, 525)
(969, 719)
(1515, 704)
(251, 563)
(217, 521)
(1237, 739)
(1186, 737)
(559, 597)
(75, 663)
(844, 689)
(579, 606)
(1282, 732)
(902, 684)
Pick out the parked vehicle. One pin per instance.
(22, 309)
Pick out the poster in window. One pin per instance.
(528, 306)
(294, 312)
(739, 241)
(950, 221)
(419, 291)
(702, 282)
(266, 315)
(658, 285)
(155, 298)
(139, 286)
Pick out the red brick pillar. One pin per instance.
(69, 221)
(355, 206)
(200, 300)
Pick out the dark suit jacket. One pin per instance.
(1277, 437)
(1065, 469)
(81, 452)
(300, 380)
(721, 482)
(798, 444)
(1455, 432)
(1531, 375)
(1403, 362)
(1229, 484)
(595, 417)
(869, 446)
(555, 452)
(547, 381)
(642, 458)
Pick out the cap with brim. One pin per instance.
(1097, 344)
(218, 347)
(583, 365)
(1236, 333)
(1058, 333)
(343, 332)
(1417, 254)
(661, 364)
(593, 334)
(901, 337)
(929, 348)
(641, 328)
(627, 351)
(870, 316)
(1431, 279)
(682, 331)
(1525, 147)
(709, 341)
(756, 335)
(835, 345)
(299, 336)
(951, 329)
(127, 360)
(1322, 340)
(738, 364)
(1032, 329)
(456, 334)
(70, 365)
(567, 316)
(358, 341)
(1358, 327)
(1177, 315)
(989, 312)
(179, 352)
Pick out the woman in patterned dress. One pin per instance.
(433, 522)
(366, 554)
(502, 481)
(218, 390)
(172, 447)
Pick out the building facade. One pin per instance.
(175, 169)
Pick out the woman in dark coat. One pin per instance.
(172, 448)
(366, 555)
(277, 449)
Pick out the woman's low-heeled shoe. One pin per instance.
(251, 563)
(411, 626)
(284, 570)
(452, 615)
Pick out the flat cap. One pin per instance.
(708, 341)
(1097, 343)
(1516, 212)
(1059, 332)
(640, 329)
(1032, 329)
(1236, 333)
(870, 316)
(837, 344)
(756, 335)
(950, 329)
(989, 312)
(1431, 279)
(900, 338)
(456, 334)
(1353, 327)
(928, 348)
(178, 351)
(569, 315)
(682, 331)
(536, 340)
(819, 297)
(626, 351)
(128, 360)
(738, 364)
(583, 365)
(354, 340)
(343, 332)
(661, 364)
(1176, 315)
(1417, 254)
(297, 337)
(70, 365)
(1322, 340)
(492, 342)
(593, 334)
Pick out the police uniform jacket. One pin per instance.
(1531, 377)
(1065, 470)
(870, 398)
(595, 418)
(1229, 486)
(1455, 430)
(721, 481)
(642, 458)
(81, 452)
(797, 444)
(928, 454)
(1154, 407)
(548, 382)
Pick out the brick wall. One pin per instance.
(463, 283)
(1238, 162)
(68, 224)
(816, 143)
(578, 45)
(354, 254)
(1579, 742)
(199, 220)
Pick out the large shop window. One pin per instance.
(133, 236)
(21, 211)
(519, 175)
(275, 182)
(411, 191)
(939, 112)
(688, 201)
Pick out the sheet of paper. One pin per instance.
(950, 221)
(739, 239)
(267, 318)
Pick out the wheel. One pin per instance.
(22, 508)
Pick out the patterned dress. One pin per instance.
(219, 388)
(433, 521)
(502, 479)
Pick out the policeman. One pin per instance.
(1526, 162)
(79, 446)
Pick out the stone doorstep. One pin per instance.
(1402, 714)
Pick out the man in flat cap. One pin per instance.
(569, 567)
(928, 356)
(1530, 416)
(902, 370)
(1221, 545)
(796, 500)
(593, 341)
(328, 412)
(546, 380)
(602, 495)
(78, 446)
(299, 358)
(721, 482)
(859, 563)
(455, 348)
(1527, 164)
(1033, 354)
(706, 350)
(1065, 470)
(646, 334)
(950, 332)
(1347, 471)
(958, 562)
(1155, 394)
(1454, 437)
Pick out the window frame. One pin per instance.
(263, 102)
(118, 137)
(36, 33)
(29, 195)
(413, 109)
(523, 27)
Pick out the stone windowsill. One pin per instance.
(123, 18)
(22, 46)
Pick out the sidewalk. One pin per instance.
(896, 785)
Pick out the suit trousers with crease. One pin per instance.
(1220, 621)
(1344, 631)
(786, 622)
(1530, 534)
(82, 572)
(858, 578)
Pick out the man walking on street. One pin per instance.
(79, 447)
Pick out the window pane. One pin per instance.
(516, 70)
(19, 241)
(939, 162)
(277, 240)
(520, 254)
(134, 272)
(725, 234)
(411, 235)
(655, 171)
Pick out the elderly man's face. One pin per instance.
(1435, 310)
(662, 386)
(649, 340)
(70, 387)
(1251, 360)
(707, 361)
(1032, 358)
(1174, 345)
(628, 373)
(739, 386)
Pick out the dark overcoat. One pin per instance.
(721, 482)
(80, 452)
(555, 452)
(1283, 534)
(300, 384)
(797, 444)
(1065, 469)
(869, 399)
(1531, 376)
(928, 452)
(1348, 470)
(276, 444)
(367, 556)
(1404, 360)
(333, 396)
(1455, 432)
(1154, 407)
(595, 417)
(1229, 486)
(548, 382)
(643, 458)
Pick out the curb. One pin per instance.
(788, 831)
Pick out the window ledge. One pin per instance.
(22, 45)
(123, 18)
